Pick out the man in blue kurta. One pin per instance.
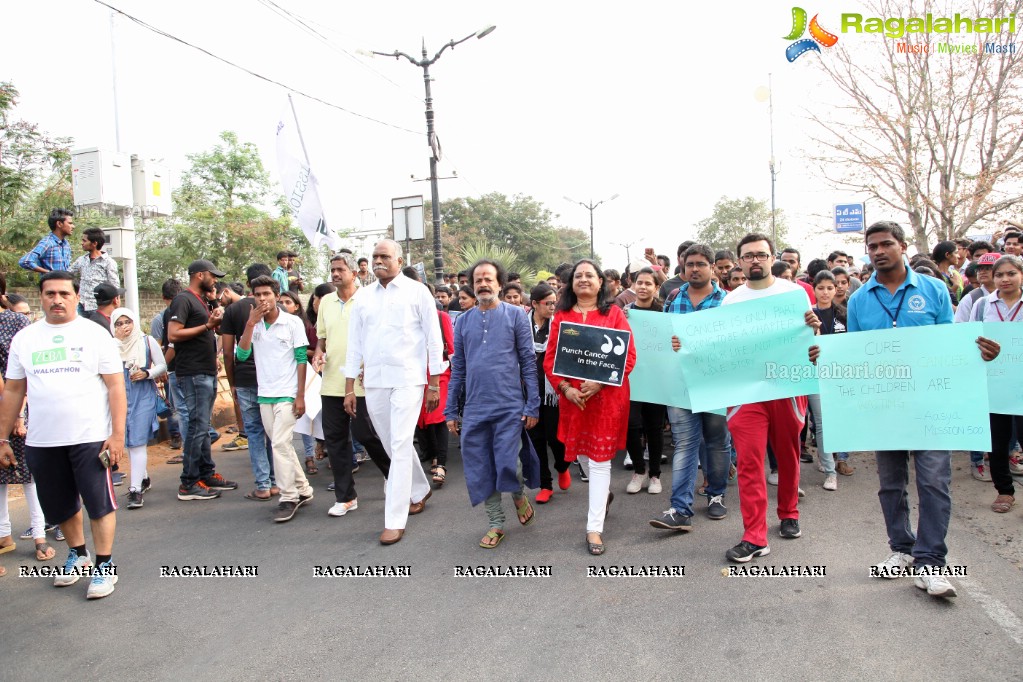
(495, 364)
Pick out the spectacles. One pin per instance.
(550, 304)
(750, 257)
(123, 323)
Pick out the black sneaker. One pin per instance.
(197, 491)
(118, 479)
(218, 482)
(745, 550)
(330, 488)
(790, 529)
(134, 499)
(672, 520)
(716, 508)
(582, 472)
(147, 485)
(285, 511)
(304, 499)
(805, 456)
(175, 443)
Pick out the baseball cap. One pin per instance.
(988, 259)
(105, 293)
(203, 265)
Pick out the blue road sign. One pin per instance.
(849, 218)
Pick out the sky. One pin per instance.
(652, 101)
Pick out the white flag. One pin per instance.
(300, 185)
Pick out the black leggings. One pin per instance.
(433, 441)
(545, 434)
(649, 419)
(1001, 438)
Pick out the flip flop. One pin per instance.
(522, 509)
(175, 460)
(8, 548)
(48, 552)
(253, 496)
(1003, 503)
(491, 535)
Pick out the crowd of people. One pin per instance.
(395, 363)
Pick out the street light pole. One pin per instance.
(591, 207)
(432, 140)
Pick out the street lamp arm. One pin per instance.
(450, 43)
(397, 55)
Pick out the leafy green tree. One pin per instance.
(733, 219)
(520, 224)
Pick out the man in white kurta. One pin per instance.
(394, 341)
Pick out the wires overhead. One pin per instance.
(314, 98)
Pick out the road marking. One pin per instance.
(1001, 614)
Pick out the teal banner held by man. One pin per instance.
(748, 352)
(912, 388)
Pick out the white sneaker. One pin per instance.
(820, 467)
(628, 462)
(74, 568)
(1015, 465)
(655, 486)
(895, 566)
(936, 585)
(342, 508)
(637, 483)
(981, 472)
(772, 478)
(103, 581)
(800, 492)
(831, 482)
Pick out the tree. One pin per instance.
(735, 218)
(220, 215)
(938, 137)
(520, 224)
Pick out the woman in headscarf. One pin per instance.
(143, 362)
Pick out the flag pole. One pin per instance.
(298, 129)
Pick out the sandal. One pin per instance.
(594, 548)
(495, 535)
(1003, 503)
(48, 552)
(254, 495)
(310, 466)
(524, 510)
(4, 549)
(321, 453)
(440, 474)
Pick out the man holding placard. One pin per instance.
(894, 298)
(754, 425)
(690, 429)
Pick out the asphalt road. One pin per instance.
(287, 624)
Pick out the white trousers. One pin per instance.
(35, 512)
(279, 423)
(600, 486)
(394, 413)
(139, 458)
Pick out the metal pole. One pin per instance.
(591, 207)
(127, 219)
(770, 115)
(438, 252)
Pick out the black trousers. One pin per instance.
(433, 441)
(544, 435)
(1001, 439)
(646, 418)
(338, 441)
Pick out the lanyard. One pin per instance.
(895, 317)
(1014, 310)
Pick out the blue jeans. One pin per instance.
(689, 431)
(259, 446)
(178, 423)
(199, 392)
(933, 476)
(827, 458)
(308, 444)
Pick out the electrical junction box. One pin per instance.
(151, 188)
(120, 243)
(101, 178)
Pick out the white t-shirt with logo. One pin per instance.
(276, 367)
(63, 364)
(780, 286)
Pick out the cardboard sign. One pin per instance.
(591, 353)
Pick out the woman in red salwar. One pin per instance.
(594, 417)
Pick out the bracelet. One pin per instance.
(349, 393)
(4, 440)
(564, 386)
(435, 389)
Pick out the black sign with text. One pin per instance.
(591, 353)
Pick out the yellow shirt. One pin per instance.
(332, 325)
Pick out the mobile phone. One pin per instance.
(104, 457)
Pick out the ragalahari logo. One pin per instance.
(817, 35)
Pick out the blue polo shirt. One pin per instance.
(924, 301)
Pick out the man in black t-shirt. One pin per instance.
(242, 377)
(190, 328)
(108, 299)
